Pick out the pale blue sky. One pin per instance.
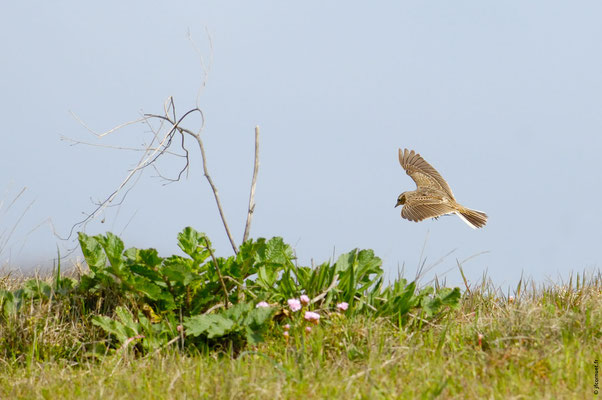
(503, 98)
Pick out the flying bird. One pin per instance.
(433, 197)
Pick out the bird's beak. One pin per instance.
(396, 205)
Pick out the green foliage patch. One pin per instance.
(144, 301)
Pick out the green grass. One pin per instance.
(541, 345)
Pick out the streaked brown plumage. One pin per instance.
(433, 197)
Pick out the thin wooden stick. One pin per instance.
(215, 192)
(197, 137)
(219, 273)
(253, 184)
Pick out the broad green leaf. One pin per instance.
(150, 257)
(113, 247)
(167, 301)
(8, 303)
(65, 284)
(266, 277)
(147, 272)
(248, 256)
(253, 337)
(126, 317)
(193, 243)
(431, 306)
(132, 254)
(92, 251)
(212, 326)
(444, 297)
(178, 273)
(238, 312)
(275, 252)
(148, 288)
(36, 289)
(406, 300)
(258, 316)
(122, 330)
(450, 297)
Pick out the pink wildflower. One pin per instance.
(262, 304)
(312, 317)
(304, 299)
(308, 329)
(511, 299)
(343, 306)
(286, 327)
(294, 304)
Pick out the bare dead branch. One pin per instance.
(215, 193)
(197, 137)
(159, 146)
(219, 273)
(253, 184)
(75, 142)
(107, 132)
(147, 159)
(205, 68)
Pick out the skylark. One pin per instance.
(433, 196)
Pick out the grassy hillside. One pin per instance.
(541, 345)
(107, 333)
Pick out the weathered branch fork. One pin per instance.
(161, 145)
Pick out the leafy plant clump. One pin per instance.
(200, 301)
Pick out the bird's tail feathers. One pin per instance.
(475, 219)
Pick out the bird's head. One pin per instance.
(401, 200)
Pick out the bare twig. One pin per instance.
(213, 308)
(215, 193)
(219, 273)
(324, 293)
(205, 67)
(160, 145)
(147, 159)
(197, 137)
(75, 142)
(253, 184)
(110, 130)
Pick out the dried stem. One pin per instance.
(215, 193)
(197, 136)
(219, 273)
(253, 184)
(159, 146)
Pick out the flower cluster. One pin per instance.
(295, 305)
(312, 317)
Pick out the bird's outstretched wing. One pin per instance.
(418, 212)
(422, 172)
